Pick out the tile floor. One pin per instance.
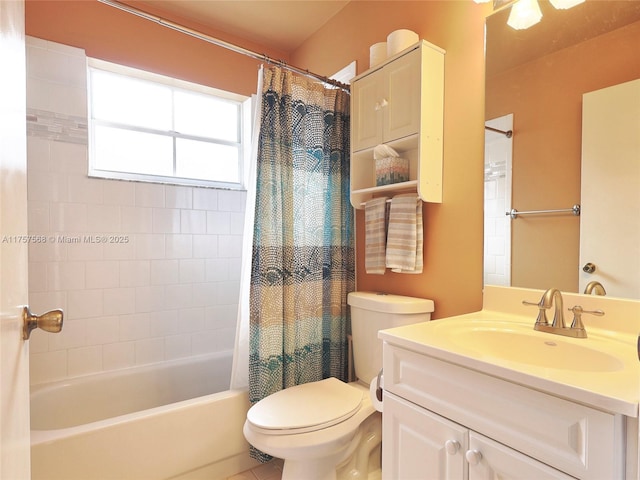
(267, 471)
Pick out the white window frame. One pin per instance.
(244, 126)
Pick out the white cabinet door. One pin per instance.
(366, 117)
(386, 103)
(401, 113)
(489, 460)
(418, 444)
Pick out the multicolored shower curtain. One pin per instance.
(303, 252)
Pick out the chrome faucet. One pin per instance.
(549, 297)
(554, 297)
(594, 287)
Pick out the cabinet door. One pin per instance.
(417, 444)
(489, 460)
(366, 116)
(402, 97)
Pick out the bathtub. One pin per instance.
(173, 420)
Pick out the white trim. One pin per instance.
(243, 136)
(345, 74)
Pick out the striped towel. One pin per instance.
(375, 235)
(405, 236)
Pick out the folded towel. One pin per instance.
(375, 235)
(405, 235)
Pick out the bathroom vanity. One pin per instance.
(484, 396)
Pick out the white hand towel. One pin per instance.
(405, 235)
(375, 235)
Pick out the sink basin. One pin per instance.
(525, 346)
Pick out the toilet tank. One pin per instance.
(371, 312)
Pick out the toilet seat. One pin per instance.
(305, 408)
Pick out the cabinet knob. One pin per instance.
(473, 457)
(452, 446)
(381, 104)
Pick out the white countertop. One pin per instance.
(615, 390)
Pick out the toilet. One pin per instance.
(330, 430)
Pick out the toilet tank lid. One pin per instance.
(387, 303)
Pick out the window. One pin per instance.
(153, 128)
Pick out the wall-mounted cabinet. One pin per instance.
(399, 103)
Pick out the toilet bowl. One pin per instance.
(329, 429)
(314, 446)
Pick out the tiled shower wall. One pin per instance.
(497, 201)
(168, 289)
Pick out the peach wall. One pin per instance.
(107, 33)
(452, 276)
(453, 230)
(545, 97)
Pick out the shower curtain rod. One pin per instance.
(222, 43)
(508, 133)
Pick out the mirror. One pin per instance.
(535, 79)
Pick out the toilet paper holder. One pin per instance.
(378, 386)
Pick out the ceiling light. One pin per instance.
(487, 1)
(564, 4)
(524, 14)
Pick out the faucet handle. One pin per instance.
(542, 315)
(577, 316)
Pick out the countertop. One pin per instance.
(612, 390)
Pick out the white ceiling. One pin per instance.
(279, 24)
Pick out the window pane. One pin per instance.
(132, 152)
(205, 116)
(207, 161)
(116, 98)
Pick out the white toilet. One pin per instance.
(329, 429)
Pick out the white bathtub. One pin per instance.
(172, 420)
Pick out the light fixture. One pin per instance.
(564, 4)
(486, 1)
(524, 14)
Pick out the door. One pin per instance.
(610, 222)
(402, 97)
(418, 444)
(489, 460)
(366, 114)
(14, 352)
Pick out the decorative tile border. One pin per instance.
(57, 126)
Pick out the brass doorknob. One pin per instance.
(49, 322)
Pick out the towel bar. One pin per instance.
(514, 213)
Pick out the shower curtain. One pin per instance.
(240, 366)
(303, 253)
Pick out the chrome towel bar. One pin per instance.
(575, 210)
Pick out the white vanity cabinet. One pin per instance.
(423, 445)
(442, 420)
(399, 103)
